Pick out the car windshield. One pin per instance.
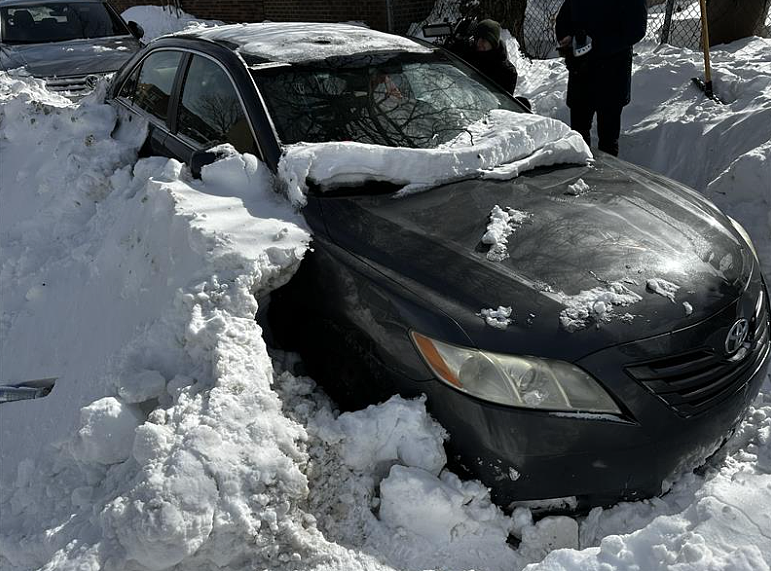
(58, 22)
(395, 99)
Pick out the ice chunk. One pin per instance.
(663, 288)
(577, 188)
(503, 222)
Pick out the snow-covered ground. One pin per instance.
(173, 440)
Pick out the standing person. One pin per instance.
(488, 54)
(596, 37)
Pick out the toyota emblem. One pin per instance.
(737, 336)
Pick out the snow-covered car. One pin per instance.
(583, 330)
(69, 43)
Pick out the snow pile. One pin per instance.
(159, 21)
(594, 306)
(378, 485)
(162, 440)
(502, 224)
(500, 146)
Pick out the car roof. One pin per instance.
(293, 42)
(9, 3)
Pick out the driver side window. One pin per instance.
(210, 112)
(151, 89)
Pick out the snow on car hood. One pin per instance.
(76, 57)
(501, 146)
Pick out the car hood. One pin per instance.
(72, 58)
(628, 228)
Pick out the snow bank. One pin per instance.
(500, 146)
(146, 284)
(159, 21)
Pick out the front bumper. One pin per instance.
(600, 459)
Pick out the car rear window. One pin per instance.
(396, 100)
(57, 22)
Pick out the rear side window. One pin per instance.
(210, 112)
(155, 82)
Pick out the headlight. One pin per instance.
(526, 382)
(740, 229)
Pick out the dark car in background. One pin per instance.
(69, 43)
(389, 300)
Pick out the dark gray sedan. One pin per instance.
(395, 296)
(69, 43)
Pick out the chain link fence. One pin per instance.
(674, 22)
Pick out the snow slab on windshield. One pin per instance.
(500, 146)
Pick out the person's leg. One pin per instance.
(581, 117)
(609, 129)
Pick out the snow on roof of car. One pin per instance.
(13, 3)
(296, 41)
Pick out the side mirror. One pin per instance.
(136, 30)
(200, 159)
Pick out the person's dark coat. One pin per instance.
(494, 64)
(603, 77)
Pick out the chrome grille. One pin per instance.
(695, 381)
(75, 84)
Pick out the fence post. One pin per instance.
(390, 16)
(667, 22)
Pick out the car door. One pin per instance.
(210, 112)
(148, 92)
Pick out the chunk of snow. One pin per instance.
(142, 386)
(549, 534)
(663, 288)
(688, 308)
(440, 511)
(578, 188)
(498, 318)
(106, 431)
(396, 431)
(595, 305)
(502, 224)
